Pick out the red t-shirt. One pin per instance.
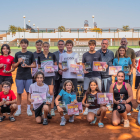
(9, 97)
(8, 60)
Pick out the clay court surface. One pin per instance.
(25, 127)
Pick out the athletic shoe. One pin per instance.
(18, 112)
(29, 112)
(12, 119)
(49, 116)
(77, 114)
(129, 114)
(94, 121)
(126, 123)
(71, 119)
(52, 112)
(63, 122)
(45, 122)
(109, 107)
(86, 111)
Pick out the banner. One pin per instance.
(113, 70)
(99, 66)
(75, 108)
(105, 98)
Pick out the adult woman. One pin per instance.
(6, 62)
(49, 59)
(125, 62)
(123, 96)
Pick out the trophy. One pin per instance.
(23, 61)
(121, 97)
(4, 101)
(63, 106)
(4, 68)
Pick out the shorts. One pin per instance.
(38, 111)
(49, 80)
(87, 81)
(33, 79)
(23, 84)
(74, 81)
(115, 106)
(6, 78)
(94, 110)
(137, 81)
(5, 109)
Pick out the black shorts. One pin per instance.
(137, 81)
(49, 80)
(115, 106)
(6, 78)
(38, 111)
(74, 81)
(5, 109)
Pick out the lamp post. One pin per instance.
(29, 22)
(38, 31)
(24, 21)
(93, 20)
(34, 25)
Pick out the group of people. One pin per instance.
(32, 77)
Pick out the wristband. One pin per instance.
(57, 105)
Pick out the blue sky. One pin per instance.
(70, 13)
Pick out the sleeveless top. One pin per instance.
(92, 99)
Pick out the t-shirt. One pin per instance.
(50, 60)
(34, 88)
(8, 61)
(24, 73)
(67, 97)
(108, 58)
(9, 97)
(72, 58)
(137, 63)
(129, 52)
(89, 58)
(36, 55)
(122, 62)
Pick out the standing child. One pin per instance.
(94, 108)
(67, 94)
(24, 60)
(38, 88)
(7, 101)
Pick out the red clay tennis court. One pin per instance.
(25, 127)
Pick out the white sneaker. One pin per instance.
(18, 112)
(29, 112)
(52, 112)
(77, 114)
(129, 114)
(86, 111)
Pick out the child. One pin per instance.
(138, 101)
(68, 96)
(37, 88)
(7, 101)
(24, 60)
(94, 108)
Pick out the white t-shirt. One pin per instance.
(34, 88)
(72, 58)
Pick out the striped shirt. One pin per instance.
(108, 58)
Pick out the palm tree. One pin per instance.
(61, 29)
(126, 28)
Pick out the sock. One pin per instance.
(19, 107)
(63, 117)
(28, 107)
(52, 109)
(45, 119)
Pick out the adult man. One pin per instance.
(107, 56)
(58, 75)
(87, 61)
(37, 54)
(130, 53)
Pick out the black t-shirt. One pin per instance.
(24, 73)
(88, 57)
(36, 55)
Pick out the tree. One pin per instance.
(61, 29)
(12, 29)
(126, 28)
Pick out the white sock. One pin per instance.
(19, 107)
(28, 107)
(62, 117)
(52, 109)
(45, 119)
